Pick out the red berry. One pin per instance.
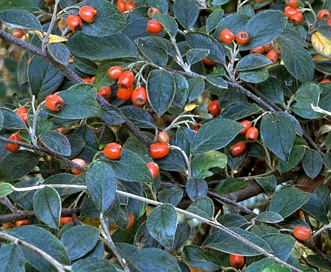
(65, 220)
(126, 79)
(105, 92)
(154, 27)
(163, 137)
(323, 15)
(17, 33)
(114, 72)
(124, 93)
(292, 3)
(289, 12)
(130, 5)
(238, 148)
(13, 147)
(87, 80)
(297, 18)
(159, 150)
(272, 55)
(121, 6)
(130, 221)
(74, 22)
(19, 223)
(113, 151)
(80, 162)
(23, 113)
(208, 62)
(242, 37)
(302, 233)
(226, 36)
(237, 261)
(325, 80)
(88, 14)
(214, 107)
(257, 50)
(153, 168)
(247, 124)
(139, 97)
(252, 134)
(54, 102)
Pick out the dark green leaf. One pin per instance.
(272, 89)
(197, 257)
(204, 41)
(111, 115)
(56, 142)
(215, 135)
(18, 164)
(93, 264)
(201, 163)
(160, 90)
(186, 12)
(169, 24)
(20, 19)
(238, 110)
(11, 258)
(45, 241)
(153, 259)
(195, 55)
(182, 234)
(281, 244)
(149, 47)
(232, 220)
(296, 155)
(62, 178)
(217, 81)
(162, 5)
(288, 200)
(184, 138)
(196, 188)
(174, 161)
(44, 79)
(297, 60)
(312, 163)
(19, 4)
(230, 185)
(79, 240)
(264, 27)
(11, 120)
(223, 241)
(162, 223)
(315, 208)
(170, 195)
(47, 206)
(108, 21)
(259, 265)
(213, 19)
(59, 52)
(130, 167)
(252, 62)
(267, 183)
(138, 116)
(255, 76)
(79, 102)
(318, 261)
(278, 133)
(109, 47)
(182, 91)
(203, 207)
(101, 184)
(269, 217)
(196, 88)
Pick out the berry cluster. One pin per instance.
(271, 54)
(293, 12)
(227, 36)
(126, 5)
(86, 13)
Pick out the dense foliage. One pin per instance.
(158, 135)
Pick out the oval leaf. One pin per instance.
(93, 264)
(201, 163)
(56, 142)
(312, 163)
(59, 52)
(281, 244)
(5, 189)
(251, 62)
(11, 258)
(20, 19)
(196, 188)
(186, 12)
(203, 207)
(269, 217)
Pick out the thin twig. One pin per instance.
(51, 25)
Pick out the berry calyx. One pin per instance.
(226, 36)
(153, 168)
(139, 97)
(154, 27)
(13, 147)
(238, 148)
(301, 233)
(23, 113)
(247, 124)
(81, 163)
(54, 102)
(163, 137)
(105, 92)
(323, 15)
(214, 108)
(152, 11)
(252, 134)
(74, 22)
(242, 37)
(88, 14)
(126, 79)
(237, 261)
(114, 72)
(159, 150)
(113, 151)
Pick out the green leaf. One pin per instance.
(59, 52)
(109, 47)
(235, 22)
(20, 4)
(312, 163)
(47, 206)
(288, 200)
(93, 264)
(272, 89)
(269, 217)
(45, 241)
(169, 24)
(315, 208)
(255, 76)
(130, 167)
(196, 88)
(162, 5)
(108, 21)
(213, 19)
(138, 116)
(224, 242)
(203, 207)
(20, 19)
(264, 27)
(101, 184)
(44, 79)
(204, 41)
(111, 115)
(259, 265)
(215, 135)
(186, 12)
(11, 258)
(278, 133)
(18, 164)
(80, 240)
(238, 110)
(79, 103)
(196, 188)
(174, 161)
(201, 163)
(296, 155)
(252, 62)
(199, 258)
(267, 183)
(11, 120)
(56, 142)
(297, 60)
(153, 259)
(62, 178)
(5, 189)
(149, 47)
(277, 268)
(162, 223)
(170, 195)
(195, 55)
(160, 90)
(230, 185)
(217, 81)
(182, 235)
(281, 244)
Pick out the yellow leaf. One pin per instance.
(190, 107)
(52, 38)
(321, 44)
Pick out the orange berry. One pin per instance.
(113, 151)
(13, 147)
(80, 162)
(153, 168)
